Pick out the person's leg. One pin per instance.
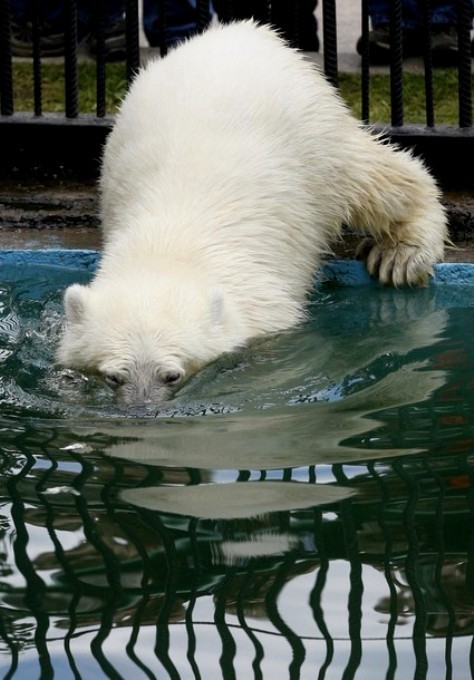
(242, 9)
(51, 16)
(180, 21)
(444, 13)
(114, 23)
(113, 11)
(301, 29)
(380, 37)
(379, 12)
(52, 19)
(444, 32)
(50, 11)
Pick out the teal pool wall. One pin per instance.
(345, 272)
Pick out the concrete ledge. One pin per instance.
(345, 272)
(354, 273)
(55, 257)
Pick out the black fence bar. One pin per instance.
(318, 589)
(35, 585)
(388, 560)
(396, 63)
(294, 32)
(70, 60)
(6, 73)
(428, 63)
(298, 651)
(354, 605)
(132, 37)
(100, 58)
(442, 556)
(464, 71)
(411, 569)
(365, 71)
(203, 15)
(330, 41)
(37, 84)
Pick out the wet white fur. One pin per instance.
(230, 169)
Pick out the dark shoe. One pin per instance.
(51, 40)
(379, 45)
(444, 45)
(115, 42)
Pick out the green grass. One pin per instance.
(53, 85)
(445, 94)
(444, 80)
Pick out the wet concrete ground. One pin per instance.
(64, 214)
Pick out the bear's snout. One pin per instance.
(143, 395)
(144, 392)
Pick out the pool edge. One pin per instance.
(345, 272)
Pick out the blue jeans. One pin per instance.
(52, 12)
(442, 13)
(282, 13)
(181, 21)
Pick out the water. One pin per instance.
(303, 509)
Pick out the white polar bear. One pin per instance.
(231, 167)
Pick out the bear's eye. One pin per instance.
(172, 377)
(113, 381)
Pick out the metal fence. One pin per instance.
(36, 138)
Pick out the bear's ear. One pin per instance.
(75, 299)
(217, 305)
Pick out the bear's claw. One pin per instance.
(397, 265)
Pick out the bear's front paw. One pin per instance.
(397, 264)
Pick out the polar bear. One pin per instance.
(231, 166)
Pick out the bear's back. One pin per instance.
(229, 148)
(226, 117)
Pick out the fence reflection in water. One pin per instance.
(389, 558)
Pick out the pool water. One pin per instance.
(302, 509)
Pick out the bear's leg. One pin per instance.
(396, 204)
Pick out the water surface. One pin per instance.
(301, 509)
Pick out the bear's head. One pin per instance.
(144, 342)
